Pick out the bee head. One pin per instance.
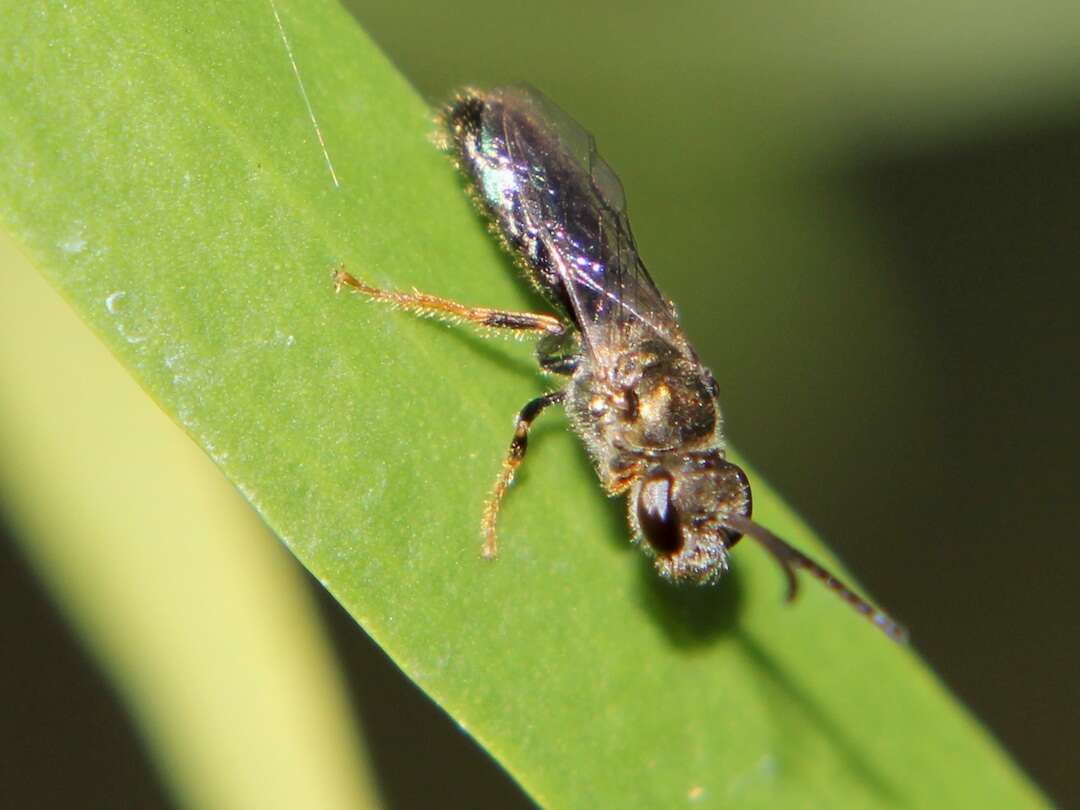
(678, 508)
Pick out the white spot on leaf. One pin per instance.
(76, 241)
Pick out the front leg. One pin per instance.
(518, 445)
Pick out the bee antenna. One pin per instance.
(790, 558)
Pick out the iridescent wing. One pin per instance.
(562, 210)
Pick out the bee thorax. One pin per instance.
(647, 402)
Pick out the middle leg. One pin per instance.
(513, 459)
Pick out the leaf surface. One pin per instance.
(188, 177)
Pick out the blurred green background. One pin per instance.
(867, 215)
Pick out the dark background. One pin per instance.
(872, 236)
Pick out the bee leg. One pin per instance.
(558, 354)
(513, 459)
(432, 305)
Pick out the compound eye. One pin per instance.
(657, 515)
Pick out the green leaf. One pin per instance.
(165, 171)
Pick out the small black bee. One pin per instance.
(638, 396)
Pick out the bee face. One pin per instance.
(679, 507)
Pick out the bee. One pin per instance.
(636, 392)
